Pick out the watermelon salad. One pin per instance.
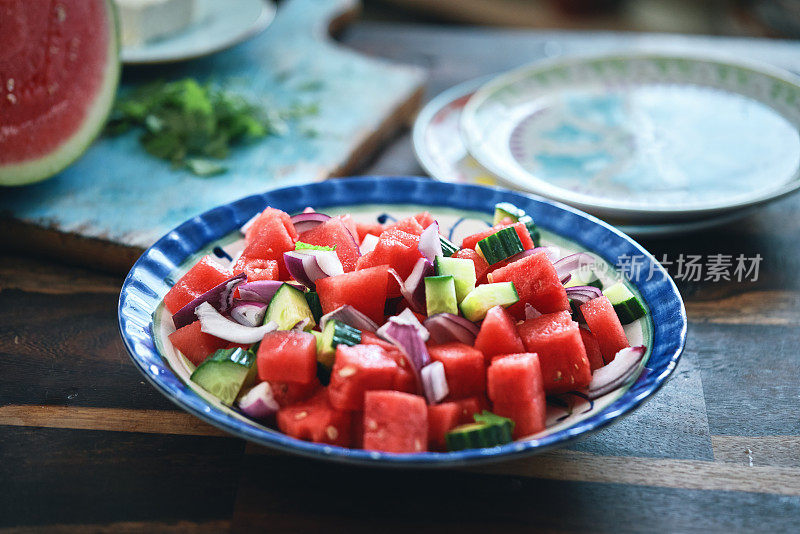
(390, 337)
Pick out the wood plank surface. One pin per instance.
(87, 445)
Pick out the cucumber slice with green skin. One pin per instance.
(462, 270)
(335, 333)
(305, 246)
(440, 295)
(288, 307)
(627, 306)
(312, 299)
(484, 297)
(224, 373)
(477, 436)
(500, 245)
(506, 210)
(448, 248)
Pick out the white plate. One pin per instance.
(219, 25)
(443, 155)
(643, 137)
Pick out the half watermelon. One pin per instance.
(59, 69)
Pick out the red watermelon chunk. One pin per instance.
(409, 225)
(516, 378)
(471, 241)
(425, 219)
(358, 369)
(481, 267)
(604, 323)
(206, 274)
(470, 406)
(363, 229)
(592, 349)
(335, 233)
(287, 393)
(498, 334)
(529, 417)
(442, 418)
(270, 239)
(365, 290)
(288, 356)
(316, 420)
(265, 218)
(556, 338)
(257, 269)
(464, 369)
(395, 422)
(536, 282)
(195, 344)
(397, 249)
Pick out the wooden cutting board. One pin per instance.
(117, 200)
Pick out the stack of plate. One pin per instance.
(654, 143)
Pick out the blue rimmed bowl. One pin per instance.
(460, 209)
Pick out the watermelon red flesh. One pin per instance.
(316, 420)
(287, 393)
(555, 337)
(257, 269)
(471, 241)
(442, 418)
(481, 267)
(288, 356)
(365, 290)
(604, 323)
(409, 225)
(264, 217)
(204, 275)
(470, 406)
(358, 369)
(592, 349)
(395, 422)
(464, 369)
(397, 249)
(536, 282)
(516, 378)
(268, 241)
(59, 70)
(363, 229)
(195, 344)
(334, 233)
(498, 334)
(424, 218)
(529, 417)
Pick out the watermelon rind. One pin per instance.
(44, 167)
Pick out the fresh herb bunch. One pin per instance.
(194, 125)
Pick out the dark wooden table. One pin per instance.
(87, 445)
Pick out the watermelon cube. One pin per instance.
(516, 378)
(464, 369)
(335, 233)
(556, 338)
(368, 338)
(481, 267)
(397, 249)
(363, 229)
(498, 334)
(471, 241)
(357, 429)
(257, 268)
(604, 323)
(265, 217)
(470, 406)
(359, 369)
(409, 225)
(195, 344)
(395, 422)
(442, 418)
(204, 275)
(529, 417)
(365, 290)
(536, 282)
(592, 349)
(424, 218)
(287, 393)
(288, 356)
(316, 420)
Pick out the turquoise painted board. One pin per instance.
(117, 195)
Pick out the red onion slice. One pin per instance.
(259, 402)
(430, 245)
(531, 312)
(434, 382)
(368, 244)
(303, 222)
(413, 288)
(567, 264)
(446, 327)
(309, 266)
(260, 290)
(582, 294)
(220, 297)
(405, 317)
(411, 345)
(349, 316)
(214, 323)
(617, 373)
(248, 313)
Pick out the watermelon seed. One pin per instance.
(417, 445)
(371, 424)
(11, 98)
(300, 415)
(332, 432)
(61, 13)
(10, 84)
(347, 371)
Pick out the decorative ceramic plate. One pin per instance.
(461, 210)
(642, 137)
(218, 25)
(440, 150)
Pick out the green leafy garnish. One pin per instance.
(192, 124)
(305, 246)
